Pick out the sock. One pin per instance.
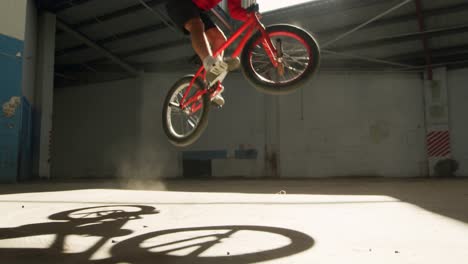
(209, 62)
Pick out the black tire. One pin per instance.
(278, 88)
(185, 140)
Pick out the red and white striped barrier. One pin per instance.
(438, 144)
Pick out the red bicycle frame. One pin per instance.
(253, 23)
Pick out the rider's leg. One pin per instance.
(217, 39)
(216, 68)
(188, 18)
(200, 42)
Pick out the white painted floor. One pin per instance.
(313, 221)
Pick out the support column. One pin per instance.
(437, 119)
(44, 95)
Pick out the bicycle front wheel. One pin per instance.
(183, 126)
(298, 60)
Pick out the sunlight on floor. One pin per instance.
(103, 224)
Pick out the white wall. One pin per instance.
(113, 129)
(158, 158)
(354, 125)
(349, 125)
(241, 123)
(458, 101)
(345, 125)
(95, 130)
(12, 18)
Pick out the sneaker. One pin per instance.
(233, 63)
(216, 72)
(218, 100)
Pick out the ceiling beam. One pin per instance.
(156, 47)
(364, 58)
(141, 51)
(116, 37)
(57, 6)
(375, 18)
(388, 40)
(319, 8)
(116, 14)
(441, 52)
(78, 35)
(424, 39)
(399, 19)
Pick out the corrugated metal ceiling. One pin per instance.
(140, 37)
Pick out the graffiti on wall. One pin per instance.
(9, 108)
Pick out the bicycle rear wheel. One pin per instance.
(299, 59)
(184, 126)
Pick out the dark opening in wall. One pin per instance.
(197, 168)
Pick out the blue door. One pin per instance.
(10, 106)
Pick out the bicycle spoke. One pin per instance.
(180, 96)
(291, 68)
(265, 69)
(181, 124)
(265, 60)
(195, 119)
(283, 76)
(175, 106)
(264, 65)
(295, 59)
(191, 122)
(260, 53)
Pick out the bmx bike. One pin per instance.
(276, 60)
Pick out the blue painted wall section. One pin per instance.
(204, 155)
(11, 50)
(246, 154)
(219, 154)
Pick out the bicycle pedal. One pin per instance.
(218, 101)
(216, 106)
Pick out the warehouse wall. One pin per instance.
(354, 125)
(240, 126)
(95, 130)
(344, 125)
(340, 125)
(88, 140)
(113, 129)
(158, 158)
(458, 101)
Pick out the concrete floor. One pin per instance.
(236, 221)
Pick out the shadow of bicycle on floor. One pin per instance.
(105, 224)
(211, 244)
(102, 222)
